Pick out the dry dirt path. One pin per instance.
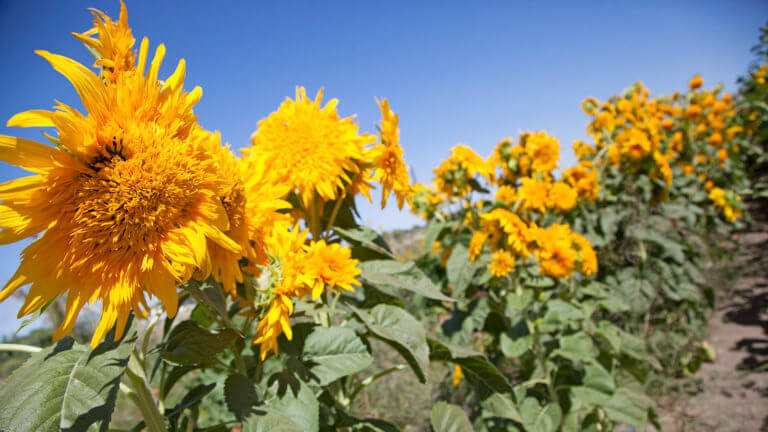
(732, 394)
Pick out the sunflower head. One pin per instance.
(310, 148)
(127, 201)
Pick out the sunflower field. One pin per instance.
(239, 292)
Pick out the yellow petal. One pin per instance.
(88, 85)
(32, 118)
(30, 155)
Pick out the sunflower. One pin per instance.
(556, 254)
(391, 170)
(543, 150)
(114, 47)
(562, 197)
(502, 263)
(310, 148)
(296, 270)
(249, 219)
(126, 202)
(534, 194)
(331, 266)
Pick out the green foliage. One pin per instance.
(66, 386)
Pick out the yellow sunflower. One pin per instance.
(310, 148)
(534, 194)
(249, 219)
(126, 202)
(502, 263)
(391, 170)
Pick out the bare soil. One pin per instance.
(731, 394)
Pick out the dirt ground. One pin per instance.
(731, 394)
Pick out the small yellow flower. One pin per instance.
(695, 82)
(391, 170)
(502, 263)
(562, 197)
(534, 194)
(457, 375)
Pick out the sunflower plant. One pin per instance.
(587, 289)
(235, 291)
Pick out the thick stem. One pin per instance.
(142, 396)
(332, 219)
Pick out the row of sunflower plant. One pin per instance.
(564, 298)
(587, 289)
(269, 291)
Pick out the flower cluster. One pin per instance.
(135, 198)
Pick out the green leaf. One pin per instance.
(366, 243)
(520, 301)
(189, 343)
(66, 386)
(403, 275)
(192, 398)
(460, 270)
(270, 421)
(514, 348)
(300, 406)
(240, 395)
(334, 352)
(625, 407)
(474, 365)
(536, 419)
(559, 314)
(449, 418)
(577, 347)
(596, 377)
(434, 230)
(501, 406)
(585, 396)
(400, 330)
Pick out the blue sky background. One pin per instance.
(455, 72)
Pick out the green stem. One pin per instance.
(142, 396)
(19, 348)
(239, 362)
(332, 219)
(368, 381)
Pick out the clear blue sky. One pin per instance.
(455, 72)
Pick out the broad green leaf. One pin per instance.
(334, 352)
(366, 243)
(520, 301)
(240, 395)
(596, 377)
(502, 406)
(403, 275)
(513, 348)
(300, 406)
(434, 230)
(474, 365)
(577, 347)
(270, 421)
(623, 407)
(538, 419)
(189, 343)
(460, 270)
(586, 396)
(559, 314)
(66, 386)
(401, 331)
(192, 398)
(449, 418)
